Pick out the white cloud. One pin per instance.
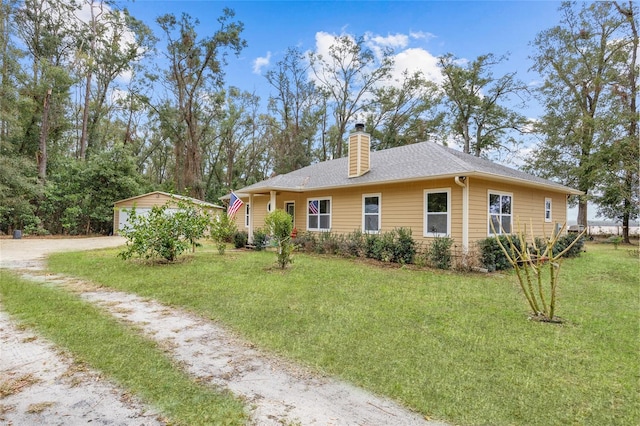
(417, 59)
(261, 62)
(406, 58)
(394, 41)
(421, 35)
(324, 41)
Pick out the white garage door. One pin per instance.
(123, 218)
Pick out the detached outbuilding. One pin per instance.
(143, 204)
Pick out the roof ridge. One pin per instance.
(452, 153)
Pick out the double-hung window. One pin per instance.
(371, 213)
(500, 212)
(247, 211)
(547, 210)
(319, 214)
(437, 212)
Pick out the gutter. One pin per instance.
(463, 181)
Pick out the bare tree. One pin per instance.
(195, 80)
(477, 99)
(348, 75)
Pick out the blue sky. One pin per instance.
(419, 30)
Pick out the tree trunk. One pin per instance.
(582, 213)
(85, 117)
(44, 132)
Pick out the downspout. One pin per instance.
(250, 237)
(463, 182)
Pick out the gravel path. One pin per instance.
(276, 391)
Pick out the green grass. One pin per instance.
(455, 347)
(118, 351)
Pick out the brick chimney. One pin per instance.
(359, 146)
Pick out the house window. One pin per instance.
(319, 214)
(246, 215)
(547, 209)
(290, 208)
(437, 212)
(371, 213)
(500, 212)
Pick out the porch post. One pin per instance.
(272, 202)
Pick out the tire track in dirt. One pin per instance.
(276, 391)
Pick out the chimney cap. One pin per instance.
(359, 127)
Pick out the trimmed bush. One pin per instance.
(563, 242)
(305, 242)
(439, 253)
(240, 239)
(259, 239)
(491, 255)
(405, 246)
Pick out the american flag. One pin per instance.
(234, 204)
(313, 207)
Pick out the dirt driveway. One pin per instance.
(48, 390)
(27, 252)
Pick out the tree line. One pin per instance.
(86, 118)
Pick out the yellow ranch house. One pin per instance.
(432, 189)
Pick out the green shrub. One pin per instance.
(616, 240)
(164, 235)
(491, 255)
(353, 244)
(404, 246)
(279, 225)
(563, 242)
(223, 229)
(328, 243)
(240, 239)
(439, 253)
(306, 242)
(396, 246)
(259, 239)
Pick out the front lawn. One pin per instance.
(454, 347)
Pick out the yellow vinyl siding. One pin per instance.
(359, 147)
(528, 208)
(402, 205)
(143, 202)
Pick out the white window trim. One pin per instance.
(379, 195)
(425, 214)
(330, 213)
(247, 213)
(550, 210)
(500, 193)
